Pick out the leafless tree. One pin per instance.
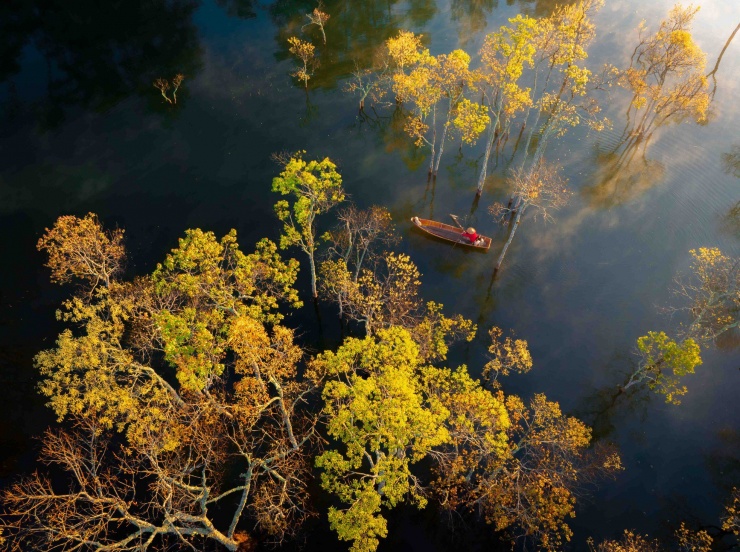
(540, 189)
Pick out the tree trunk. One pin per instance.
(486, 156)
(511, 238)
(312, 264)
(434, 139)
(442, 141)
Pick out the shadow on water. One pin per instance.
(606, 407)
(622, 175)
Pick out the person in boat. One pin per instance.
(472, 236)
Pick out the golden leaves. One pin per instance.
(506, 356)
(405, 48)
(377, 409)
(304, 51)
(666, 73)
(471, 120)
(80, 248)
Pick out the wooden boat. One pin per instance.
(450, 233)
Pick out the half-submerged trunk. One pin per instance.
(518, 218)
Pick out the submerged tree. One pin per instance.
(454, 76)
(152, 458)
(668, 85)
(163, 85)
(378, 410)
(666, 77)
(663, 362)
(80, 248)
(318, 17)
(504, 56)
(306, 53)
(315, 187)
(428, 80)
(369, 83)
(540, 189)
(419, 89)
(358, 239)
(686, 540)
(712, 296)
(731, 516)
(519, 467)
(563, 90)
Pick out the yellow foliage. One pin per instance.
(80, 248)
(506, 356)
(731, 517)
(471, 120)
(666, 73)
(378, 411)
(405, 49)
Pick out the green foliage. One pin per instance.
(665, 362)
(378, 411)
(315, 187)
(210, 282)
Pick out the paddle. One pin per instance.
(460, 226)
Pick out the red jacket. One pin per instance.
(472, 237)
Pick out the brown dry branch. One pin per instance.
(540, 189)
(151, 458)
(80, 248)
(163, 85)
(319, 18)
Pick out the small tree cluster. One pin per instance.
(163, 85)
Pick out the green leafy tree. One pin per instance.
(379, 414)
(712, 296)
(315, 187)
(663, 362)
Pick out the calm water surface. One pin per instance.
(84, 130)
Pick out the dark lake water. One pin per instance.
(83, 130)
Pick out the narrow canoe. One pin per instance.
(449, 233)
